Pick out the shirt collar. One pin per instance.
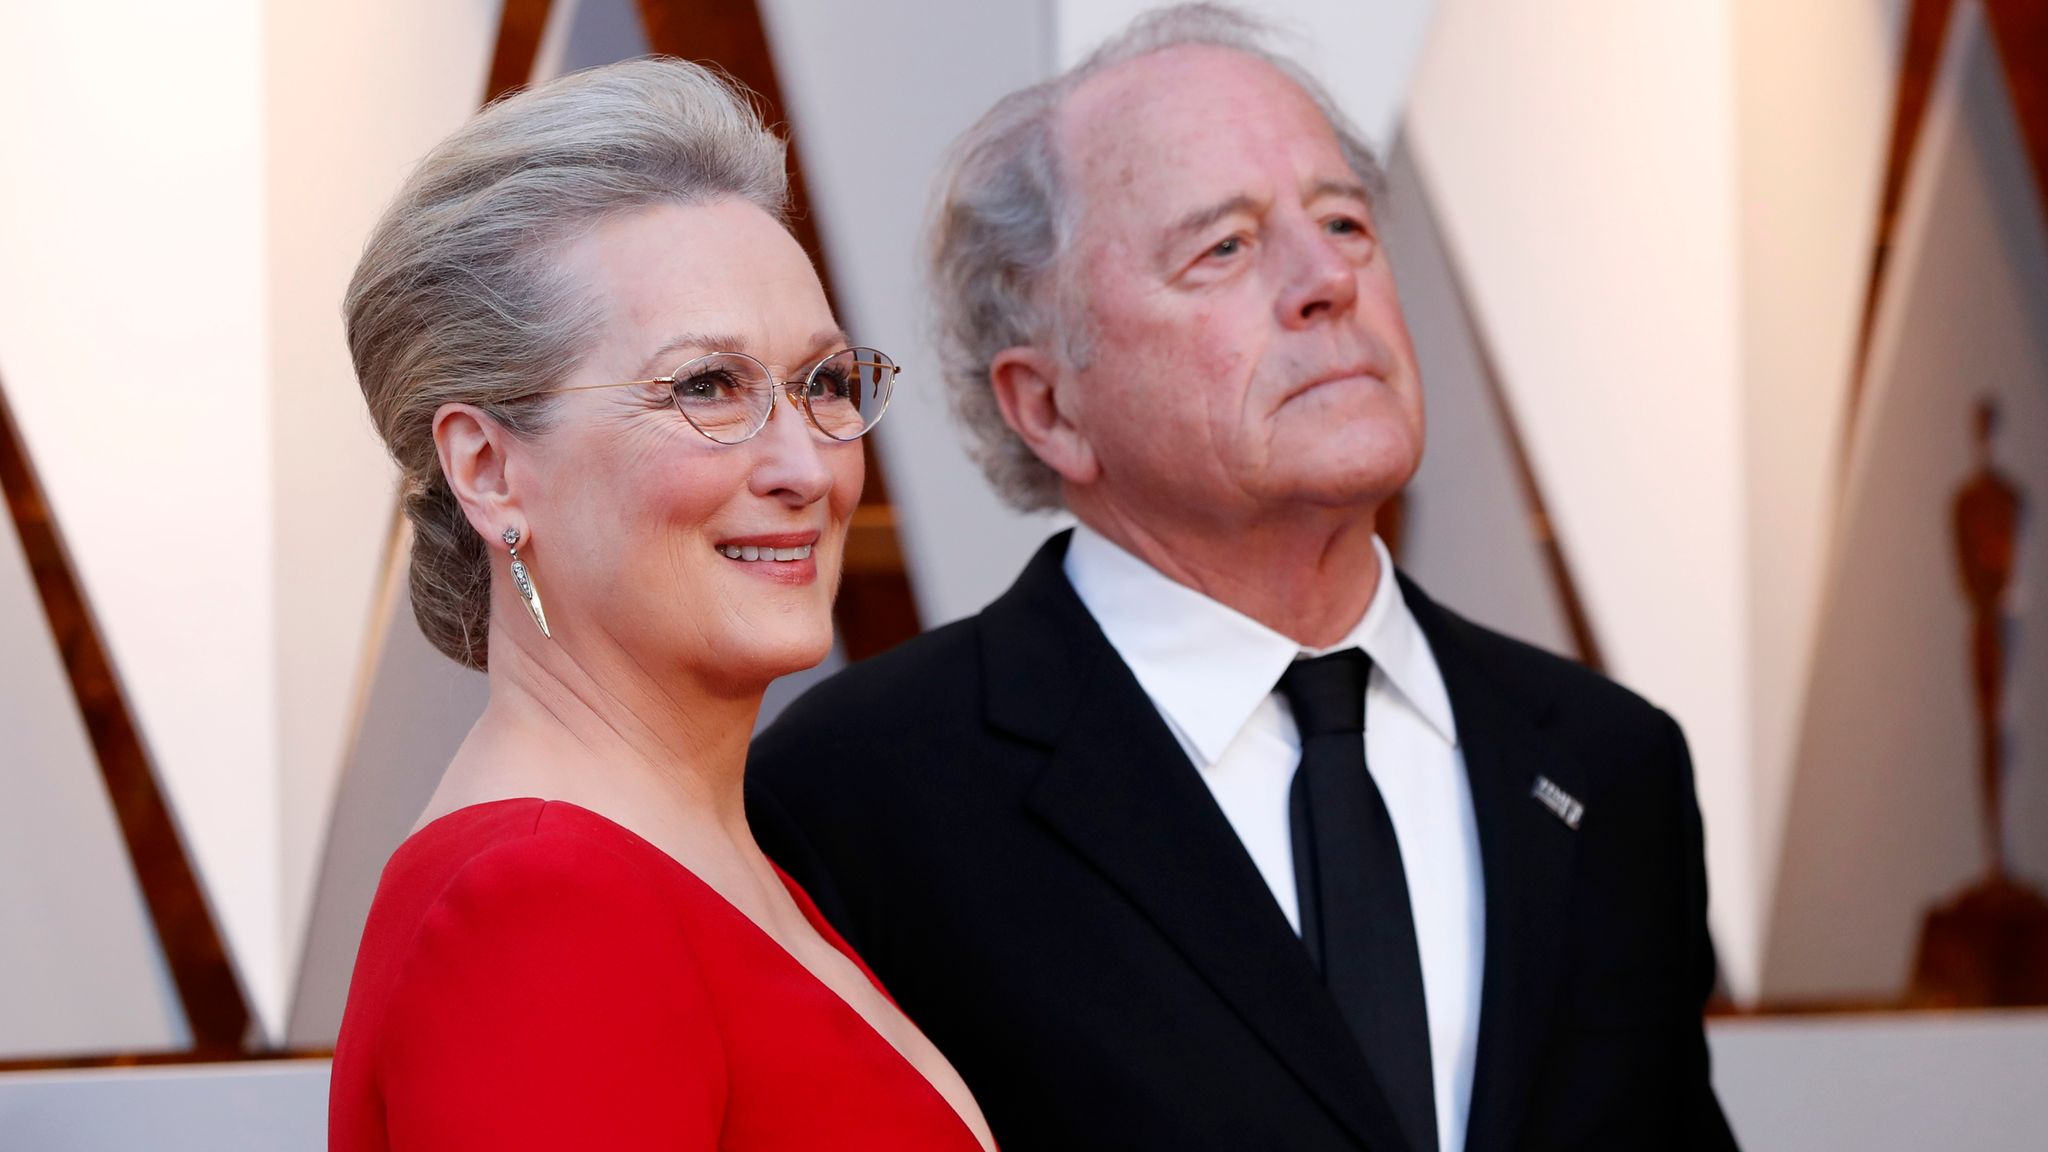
(1208, 666)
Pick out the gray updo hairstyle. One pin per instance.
(1002, 218)
(461, 296)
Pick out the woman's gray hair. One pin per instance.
(1001, 221)
(462, 295)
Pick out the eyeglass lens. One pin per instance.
(727, 396)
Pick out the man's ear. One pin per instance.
(472, 449)
(1028, 386)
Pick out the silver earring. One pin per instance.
(522, 580)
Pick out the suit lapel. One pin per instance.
(1526, 854)
(1120, 792)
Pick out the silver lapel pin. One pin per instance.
(1561, 803)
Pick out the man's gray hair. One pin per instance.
(1002, 219)
(462, 294)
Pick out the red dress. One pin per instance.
(535, 976)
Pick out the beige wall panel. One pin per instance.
(1814, 88)
(80, 970)
(1582, 163)
(133, 333)
(353, 95)
(1884, 813)
(1467, 533)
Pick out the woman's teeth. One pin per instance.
(749, 552)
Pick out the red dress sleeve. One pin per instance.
(550, 1001)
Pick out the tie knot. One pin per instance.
(1327, 693)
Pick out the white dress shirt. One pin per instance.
(1211, 672)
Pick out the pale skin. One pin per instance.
(641, 706)
(1251, 397)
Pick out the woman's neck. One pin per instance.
(664, 756)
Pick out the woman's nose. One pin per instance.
(790, 465)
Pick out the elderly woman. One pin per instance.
(628, 429)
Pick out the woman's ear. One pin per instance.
(472, 449)
(1028, 387)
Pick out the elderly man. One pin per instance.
(1212, 831)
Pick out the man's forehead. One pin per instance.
(1184, 113)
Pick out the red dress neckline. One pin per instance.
(804, 905)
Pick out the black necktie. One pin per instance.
(1355, 917)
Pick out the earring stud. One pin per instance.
(523, 580)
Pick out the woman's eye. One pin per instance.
(706, 386)
(830, 385)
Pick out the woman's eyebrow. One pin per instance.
(665, 358)
(826, 342)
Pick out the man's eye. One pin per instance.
(1345, 226)
(1230, 247)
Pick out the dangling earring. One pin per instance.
(524, 582)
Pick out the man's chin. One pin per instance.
(1354, 479)
(1350, 492)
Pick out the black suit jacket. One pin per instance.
(1003, 825)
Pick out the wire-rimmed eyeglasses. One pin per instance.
(730, 396)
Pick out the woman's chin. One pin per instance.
(772, 653)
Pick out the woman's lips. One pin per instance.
(754, 553)
(782, 556)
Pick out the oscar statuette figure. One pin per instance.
(1989, 944)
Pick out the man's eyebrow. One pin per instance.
(1202, 218)
(1349, 189)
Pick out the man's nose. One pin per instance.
(1322, 280)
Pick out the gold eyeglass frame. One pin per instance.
(799, 399)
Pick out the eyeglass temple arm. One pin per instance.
(894, 369)
(614, 384)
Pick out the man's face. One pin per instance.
(1248, 358)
